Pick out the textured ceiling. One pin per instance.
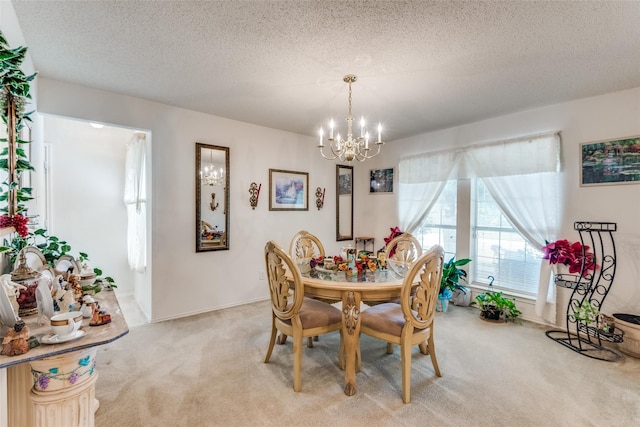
(421, 65)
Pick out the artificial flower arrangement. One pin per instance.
(395, 232)
(572, 255)
(337, 263)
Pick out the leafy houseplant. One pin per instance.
(586, 312)
(452, 275)
(494, 306)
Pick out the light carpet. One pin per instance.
(208, 370)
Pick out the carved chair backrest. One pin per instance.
(305, 245)
(404, 247)
(286, 300)
(421, 287)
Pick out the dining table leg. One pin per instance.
(351, 335)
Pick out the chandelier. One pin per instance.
(210, 175)
(351, 148)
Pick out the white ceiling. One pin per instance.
(421, 65)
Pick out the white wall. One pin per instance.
(598, 118)
(86, 171)
(185, 282)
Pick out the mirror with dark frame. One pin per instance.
(344, 202)
(212, 197)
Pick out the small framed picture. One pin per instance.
(288, 190)
(612, 161)
(381, 181)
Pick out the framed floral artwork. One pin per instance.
(612, 161)
(288, 190)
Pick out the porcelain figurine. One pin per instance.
(64, 300)
(16, 341)
(87, 306)
(75, 286)
(12, 289)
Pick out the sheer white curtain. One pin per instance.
(521, 174)
(421, 180)
(135, 201)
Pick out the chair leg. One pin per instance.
(432, 353)
(282, 339)
(316, 338)
(405, 357)
(272, 341)
(309, 342)
(297, 361)
(341, 353)
(423, 348)
(389, 348)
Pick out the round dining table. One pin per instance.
(369, 286)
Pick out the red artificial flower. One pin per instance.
(572, 255)
(395, 232)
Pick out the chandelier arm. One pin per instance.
(326, 157)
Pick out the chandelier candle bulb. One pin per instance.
(362, 126)
(321, 138)
(331, 130)
(379, 133)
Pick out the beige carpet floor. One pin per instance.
(208, 370)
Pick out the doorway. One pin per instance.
(79, 198)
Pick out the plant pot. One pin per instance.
(630, 325)
(442, 304)
(491, 314)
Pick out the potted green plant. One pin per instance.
(494, 306)
(452, 275)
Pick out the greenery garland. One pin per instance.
(14, 96)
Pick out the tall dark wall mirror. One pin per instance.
(344, 202)
(212, 197)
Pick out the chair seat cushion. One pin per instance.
(386, 318)
(314, 313)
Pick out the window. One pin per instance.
(439, 227)
(499, 249)
(523, 176)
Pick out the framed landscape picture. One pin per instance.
(288, 190)
(381, 181)
(612, 161)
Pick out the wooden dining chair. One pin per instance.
(305, 245)
(401, 252)
(410, 322)
(404, 247)
(291, 312)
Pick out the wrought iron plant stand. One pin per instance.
(590, 287)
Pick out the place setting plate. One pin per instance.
(54, 339)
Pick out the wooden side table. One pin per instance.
(365, 241)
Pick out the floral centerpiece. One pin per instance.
(573, 255)
(337, 263)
